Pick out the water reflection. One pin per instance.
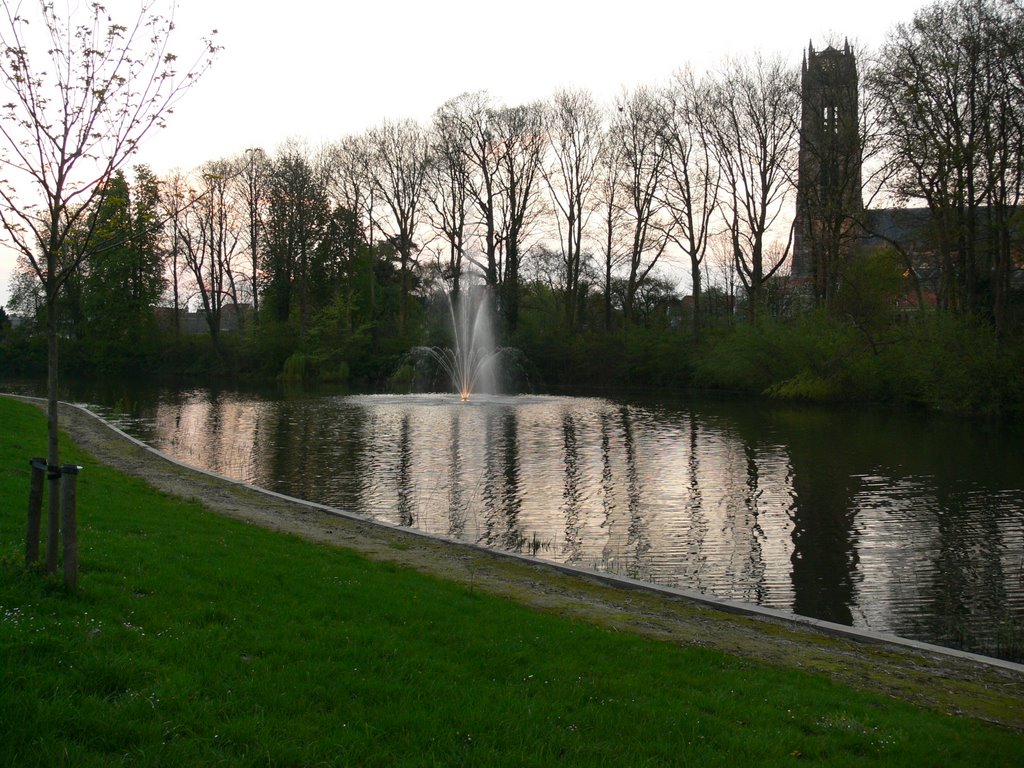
(456, 495)
(502, 502)
(898, 523)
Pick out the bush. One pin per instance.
(298, 367)
(753, 357)
(401, 381)
(958, 365)
(935, 359)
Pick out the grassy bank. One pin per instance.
(194, 640)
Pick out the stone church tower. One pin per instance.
(829, 201)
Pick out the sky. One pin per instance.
(318, 70)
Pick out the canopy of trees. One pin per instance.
(578, 217)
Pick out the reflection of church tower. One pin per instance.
(829, 187)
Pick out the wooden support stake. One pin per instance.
(35, 510)
(69, 522)
(53, 521)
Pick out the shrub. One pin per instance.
(298, 367)
(401, 381)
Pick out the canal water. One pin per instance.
(905, 523)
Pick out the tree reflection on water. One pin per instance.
(901, 523)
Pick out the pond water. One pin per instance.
(903, 523)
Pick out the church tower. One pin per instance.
(828, 201)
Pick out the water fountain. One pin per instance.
(471, 360)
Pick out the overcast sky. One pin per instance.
(321, 69)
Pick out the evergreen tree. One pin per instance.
(298, 212)
(124, 278)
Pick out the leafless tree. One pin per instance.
(250, 188)
(519, 143)
(398, 169)
(210, 235)
(451, 183)
(347, 163)
(298, 213)
(951, 84)
(692, 177)
(753, 135)
(639, 130)
(81, 92)
(470, 117)
(608, 198)
(174, 199)
(571, 172)
(26, 293)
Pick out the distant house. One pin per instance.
(194, 323)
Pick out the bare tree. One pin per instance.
(348, 181)
(519, 143)
(609, 194)
(210, 235)
(692, 177)
(571, 173)
(26, 293)
(398, 172)
(639, 130)
(451, 183)
(250, 186)
(470, 117)
(174, 199)
(753, 135)
(76, 106)
(951, 84)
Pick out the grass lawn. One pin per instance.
(196, 640)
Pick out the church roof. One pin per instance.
(900, 225)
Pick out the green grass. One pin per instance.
(195, 640)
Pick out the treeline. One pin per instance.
(579, 218)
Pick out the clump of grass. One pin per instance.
(195, 640)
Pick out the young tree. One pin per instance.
(81, 92)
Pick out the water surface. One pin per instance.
(910, 524)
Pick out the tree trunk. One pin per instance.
(608, 286)
(696, 279)
(52, 455)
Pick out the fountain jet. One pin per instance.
(473, 354)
